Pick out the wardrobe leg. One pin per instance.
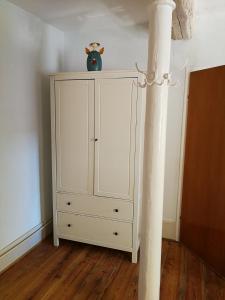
(134, 257)
(56, 241)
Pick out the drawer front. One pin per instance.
(95, 230)
(98, 206)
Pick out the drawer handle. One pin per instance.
(68, 203)
(116, 210)
(115, 233)
(68, 225)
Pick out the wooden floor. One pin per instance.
(78, 271)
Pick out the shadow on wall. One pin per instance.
(45, 123)
(45, 149)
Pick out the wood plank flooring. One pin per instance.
(78, 271)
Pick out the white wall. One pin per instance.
(123, 46)
(126, 45)
(206, 49)
(29, 50)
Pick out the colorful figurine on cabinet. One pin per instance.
(94, 60)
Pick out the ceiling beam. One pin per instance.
(183, 20)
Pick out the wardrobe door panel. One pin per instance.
(115, 122)
(74, 135)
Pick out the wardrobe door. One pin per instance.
(74, 135)
(115, 122)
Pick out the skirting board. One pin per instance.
(22, 245)
(169, 229)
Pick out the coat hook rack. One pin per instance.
(153, 78)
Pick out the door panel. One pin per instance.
(203, 203)
(115, 121)
(74, 135)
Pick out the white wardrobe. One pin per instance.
(97, 158)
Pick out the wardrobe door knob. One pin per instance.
(115, 233)
(96, 140)
(68, 203)
(116, 210)
(68, 225)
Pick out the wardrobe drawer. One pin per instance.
(98, 206)
(95, 230)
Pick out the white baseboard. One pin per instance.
(169, 229)
(25, 243)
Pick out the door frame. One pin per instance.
(182, 150)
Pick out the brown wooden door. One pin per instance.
(203, 201)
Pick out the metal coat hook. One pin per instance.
(154, 78)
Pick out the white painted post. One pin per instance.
(155, 144)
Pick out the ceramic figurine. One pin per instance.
(94, 60)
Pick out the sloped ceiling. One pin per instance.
(69, 14)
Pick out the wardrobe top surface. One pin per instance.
(96, 74)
